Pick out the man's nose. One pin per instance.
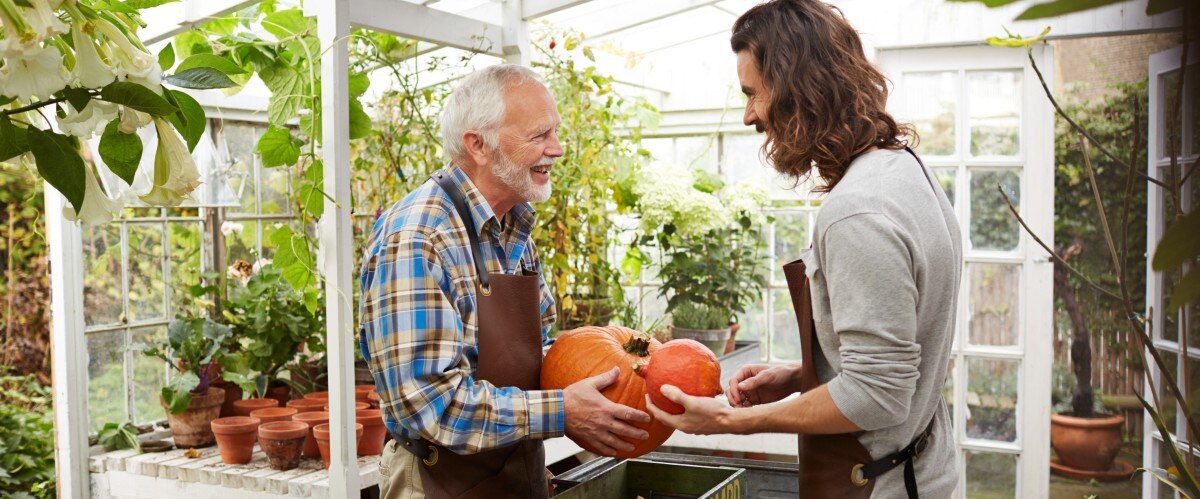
(554, 149)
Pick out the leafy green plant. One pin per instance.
(191, 347)
(690, 315)
(26, 437)
(115, 436)
(271, 322)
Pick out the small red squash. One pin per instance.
(591, 350)
(686, 364)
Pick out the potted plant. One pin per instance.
(274, 323)
(709, 239)
(191, 403)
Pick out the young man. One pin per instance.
(875, 296)
(454, 310)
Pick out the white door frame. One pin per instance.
(1034, 348)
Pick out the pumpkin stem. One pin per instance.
(639, 344)
(639, 369)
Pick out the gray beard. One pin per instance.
(518, 178)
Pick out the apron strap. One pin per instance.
(464, 213)
(906, 455)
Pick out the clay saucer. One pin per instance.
(1121, 470)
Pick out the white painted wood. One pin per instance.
(70, 359)
(534, 9)
(336, 236)
(517, 49)
(424, 23)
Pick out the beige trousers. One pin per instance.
(399, 475)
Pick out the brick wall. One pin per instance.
(1089, 66)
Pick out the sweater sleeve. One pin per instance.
(868, 267)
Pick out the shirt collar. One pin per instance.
(522, 215)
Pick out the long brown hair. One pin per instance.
(827, 101)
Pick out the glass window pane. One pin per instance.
(785, 335)
(146, 283)
(654, 307)
(1171, 409)
(1169, 113)
(149, 376)
(791, 237)
(698, 153)
(241, 241)
(661, 149)
(1164, 461)
(102, 302)
(274, 190)
(106, 378)
(948, 387)
(994, 100)
(1193, 386)
(994, 303)
(239, 140)
(186, 258)
(992, 399)
(1170, 321)
(1193, 90)
(930, 104)
(947, 178)
(741, 154)
(993, 227)
(990, 474)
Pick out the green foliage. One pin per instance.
(192, 345)
(690, 315)
(26, 343)
(122, 152)
(1179, 245)
(271, 321)
(115, 436)
(26, 438)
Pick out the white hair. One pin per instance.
(478, 104)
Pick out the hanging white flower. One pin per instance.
(42, 19)
(129, 62)
(175, 173)
(90, 121)
(25, 29)
(98, 208)
(90, 71)
(36, 73)
(132, 120)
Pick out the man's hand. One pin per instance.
(599, 422)
(701, 415)
(756, 384)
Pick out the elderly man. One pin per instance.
(454, 310)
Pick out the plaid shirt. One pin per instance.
(418, 318)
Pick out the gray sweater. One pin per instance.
(884, 270)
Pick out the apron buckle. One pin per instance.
(433, 456)
(856, 476)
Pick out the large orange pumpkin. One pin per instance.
(686, 364)
(592, 350)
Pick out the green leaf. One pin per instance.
(78, 97)
(288, 22)
(1167, 478)
(178, 395)
(988, 3)
(1187, 291)
(137, 97)
(311, 195)
(293, 256)
(287, 92)
(59, 163)
(13, 141)
(1179, 243)
(360, 122)
(190, 120)
(278, 147)
(122, 152)
(1060, 7)
(359, 83)
(1186, 476)
(211, 61)
(1017, 41)
(166, 57)
(200, 79)
(191, 42)
(146, 4)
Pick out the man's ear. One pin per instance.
(475, 147)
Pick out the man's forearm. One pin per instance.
(812, 413)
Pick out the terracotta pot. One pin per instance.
(307, 405)
(730, 345)
(282, 393)
(233, 393)
(358, 406)
(282, 442)
(245, 406)
(373, 399)
(321, 431)
(313, 419)
(1088, 444)
(273, 414)
(193, 427)
(236, 436)
(361, 392)
(317, 395)
(374, 430)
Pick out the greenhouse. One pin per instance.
(213, 285)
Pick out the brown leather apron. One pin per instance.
(509, 340)
(839, 465)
